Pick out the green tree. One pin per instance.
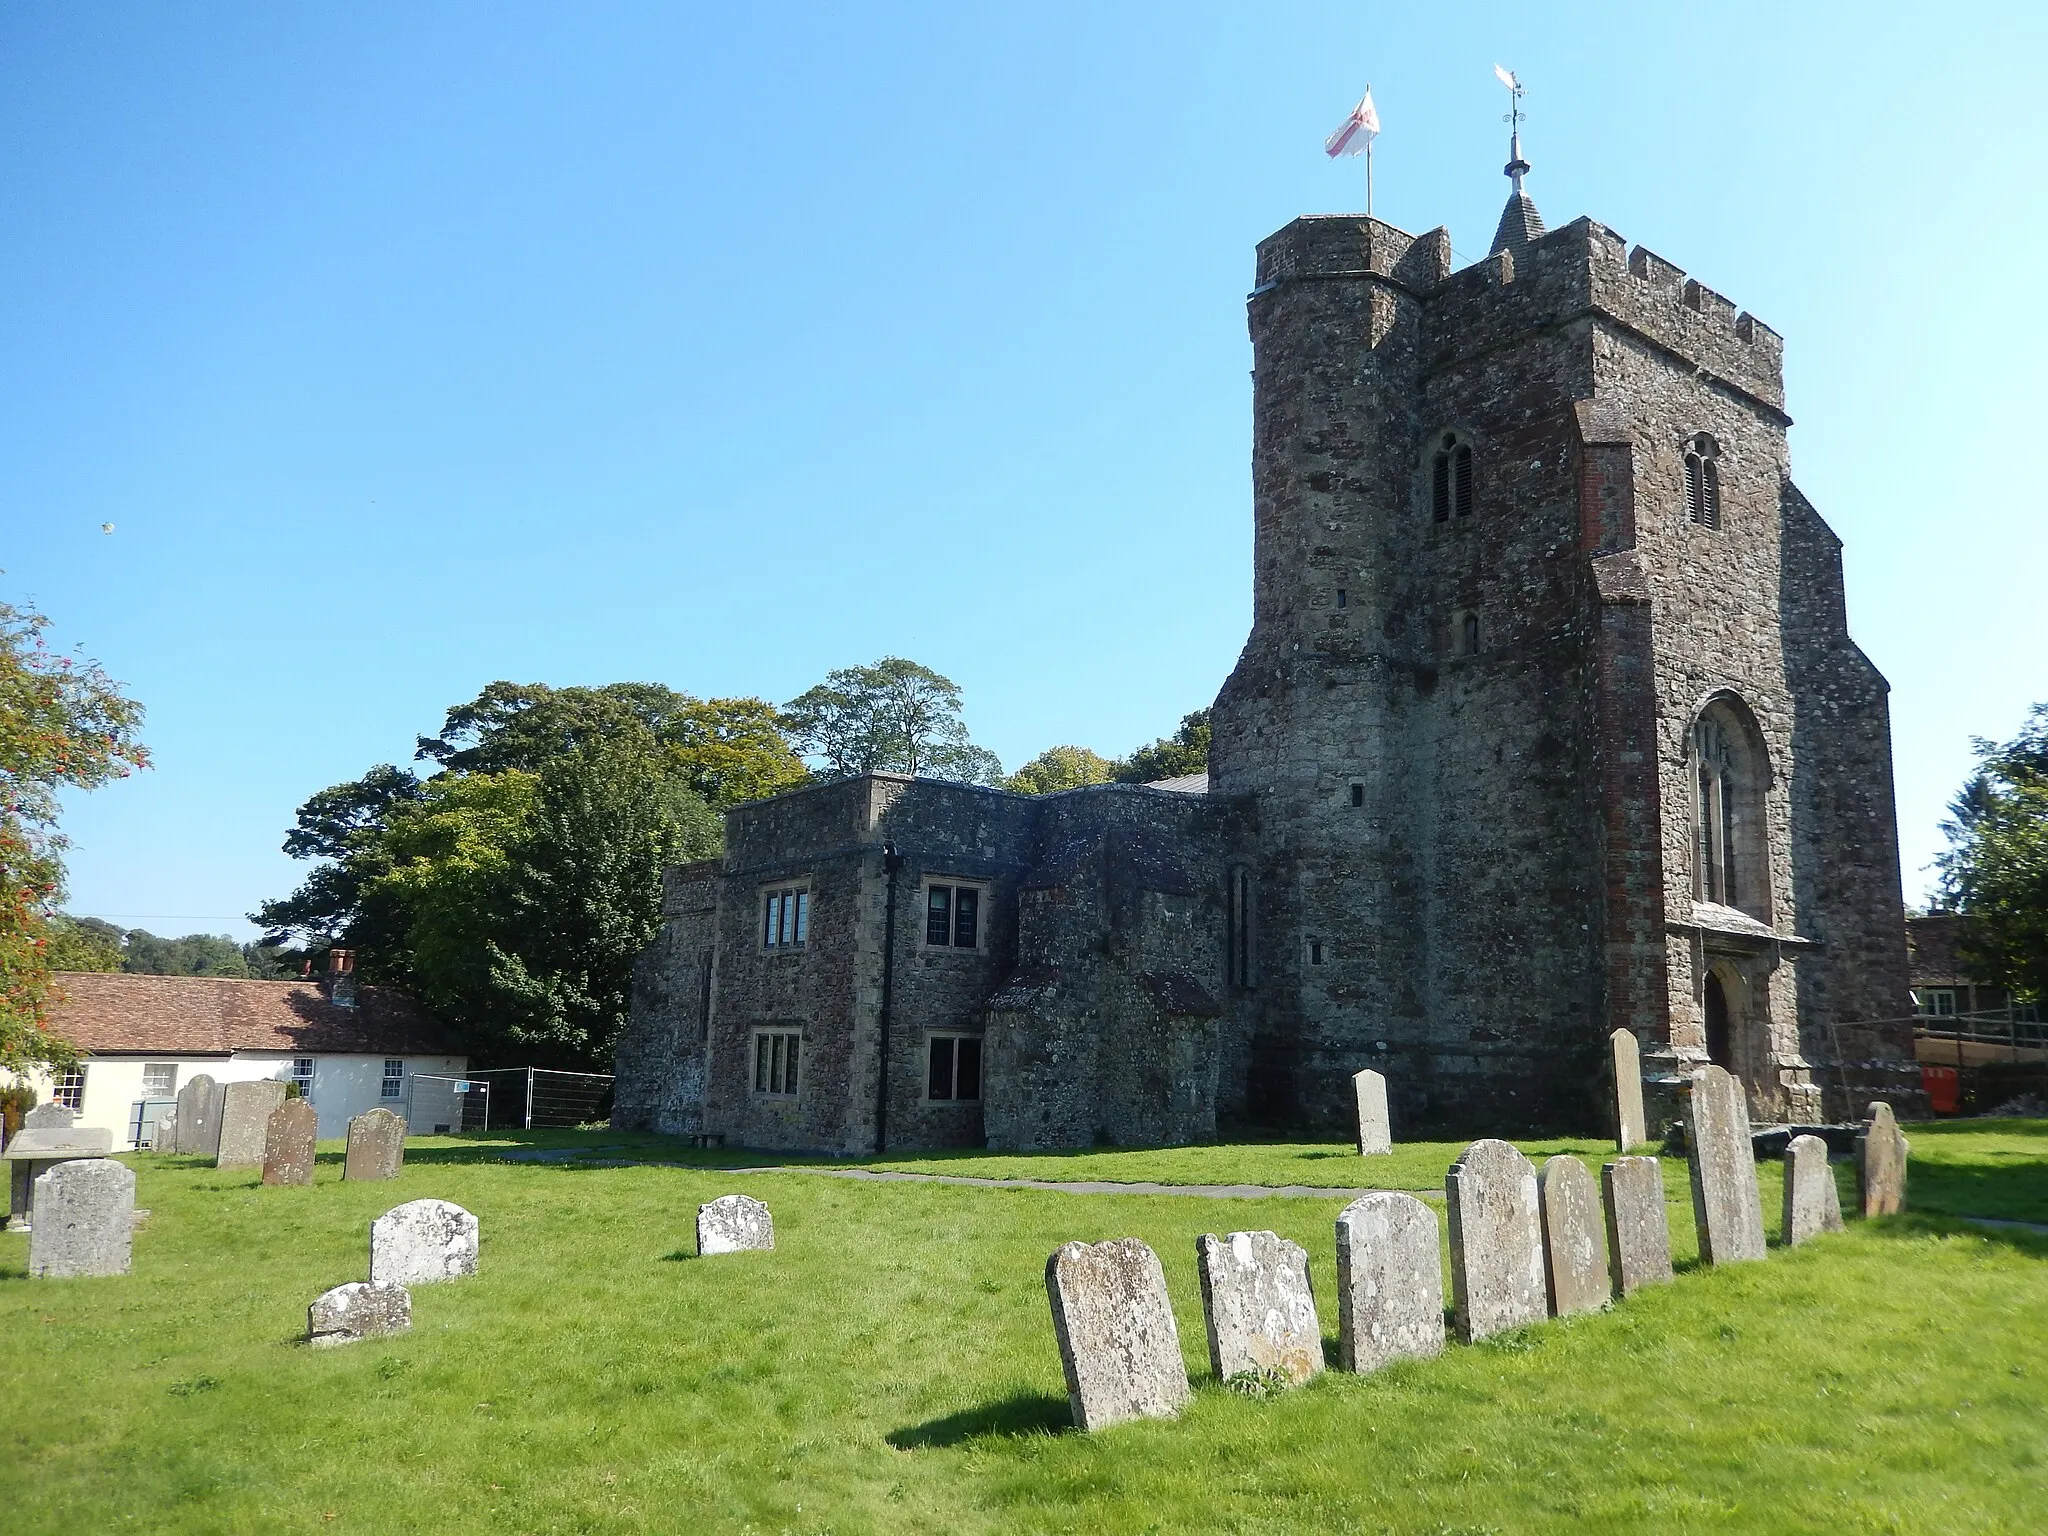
(893, 717)
(193, 954)
(342, 827)
(1995, 872)
(1058, 768)
(63, 724)
(83, 944)
(1186, 751)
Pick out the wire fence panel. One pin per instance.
(540, 1097)
(441, 1105)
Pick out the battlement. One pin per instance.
(1351, 245)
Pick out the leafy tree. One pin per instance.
(893, 717)
(1058, 768)
(343, 826)
(1995, 872)
(83, 944)
(1186, 751)
(63, 724)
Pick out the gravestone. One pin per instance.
(288, 1143)
(84, 1220)
(199, 1106)
(1630, 1131)
(1390, 1282)
(35, 1150)
(245, 1122)
(1726, 1207)
(1881, 1163)
(1638, 1236)
(1260, 1311)
(50, 1117)
(1118, 1344)
(1496, 1240)
(1573, 1263)
(422, 1241)
(376, 1145)
(733, 1224)
(1812, 1204)
(165, 1137)
(1375, 1131)
(351, 1313)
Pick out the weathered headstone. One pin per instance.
(376, 1145)
(35, 1150)
(1629, 1129)
(245, 1121)
(422, 1241)
(733, 1224)
(1390, 1282)
(50, 1117)
(1496, 1240)
(1881, 1150)
(288, 1143)
(1638, 1236)
(84, 1220)
(1118, 1343)
(1574, 1265)
(164, 1138)
(356, 1311)
(199, 1106)
(1726, 1207)
(1812, 1204)
(1260, 1311)
(1375, 1130)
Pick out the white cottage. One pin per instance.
(144, 1037)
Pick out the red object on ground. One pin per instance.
(1943, 1086)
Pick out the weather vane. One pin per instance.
(1517, 167)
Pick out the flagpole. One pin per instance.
(1368, 178)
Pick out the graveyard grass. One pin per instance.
(891, 1366)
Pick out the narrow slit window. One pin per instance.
(1357, 795)
(1461, 491)
(1440, 489)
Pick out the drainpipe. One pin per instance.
(892, 863)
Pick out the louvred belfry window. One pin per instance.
(1450, 484)
(1703, 481)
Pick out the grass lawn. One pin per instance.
(891, 1366)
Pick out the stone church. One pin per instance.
(1549, 723)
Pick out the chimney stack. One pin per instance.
(341, 977)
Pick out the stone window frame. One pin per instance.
(1702, 461)
(953, 884)
(789, 931)
(775, 1061)
(1729, 781)
(154, 1084)
(1468, 634)
(1450, 477)
(952, 1037)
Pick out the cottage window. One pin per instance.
(776, 1054)
(952, 916)
(1937, 1002)
(1703, 481)
(786, 918)
(160, 1080)
(953, 1068)
(1451, 480)
(69, 1089)
(393, 1085)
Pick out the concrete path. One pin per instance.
(1996, 1221)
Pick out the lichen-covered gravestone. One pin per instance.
(1118, 1343)
(422, 1241)
(245, 1122)
(1496, 1240)
(1375, 1130)
(288, 1143)
(1574, 1265)
(1629, 1130)
(1638, 1236)
(84, 1220)
(1812, 1204)
(36, 1149)
(50, 1117)
(199, 1106)
(1726, 1207)
(164, 1138)
(1881, 1151)
(733, 1224)
(356, 1311)
(376, 1145)
(1390, 1282)
(1260, 1311)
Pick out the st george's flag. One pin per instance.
(1356, 131)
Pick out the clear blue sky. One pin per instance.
(409, 346)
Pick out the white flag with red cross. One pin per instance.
(1356, 131)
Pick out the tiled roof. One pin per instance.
(115, 1012)
(1520, 223)
(1931, 950)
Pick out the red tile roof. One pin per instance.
(118, 1013)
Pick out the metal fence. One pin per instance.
(143, 1115)
(440, 1105)
(527, 1098)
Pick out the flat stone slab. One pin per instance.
(199, 1107)
(50, 1117)
(1638, 1235)
(245, 1122)
(1258, 1305)
(44, 1144)
(1496, 1241)
(1726, 1207)
(421, 1242)
(1630, 1130)
(84, 1220)
(350, 1313)
(1390, 1282)
(1574, 1257)
(733, 1224)
(1881, 1163)
(1375, 1130)
(376, 1145)
(288, 1143)
(1118, 1343)
(1812, 1203)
